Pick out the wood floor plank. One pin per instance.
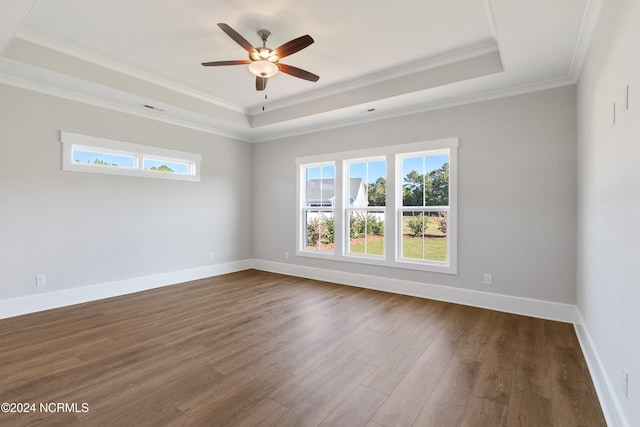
(394, 368)
(306, 383)
(526, 407)
(530, 400)
(483, 412)
(448, 401)
(327, 396)
(264, 412)
(228, 385)
(357, 409)
(405, 402)
(499, 359)
(230, 399)
(573, 402)
(494, 382)
(263, 349)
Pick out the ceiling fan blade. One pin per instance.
(293, 46)
(261, 83)
(237, 37)
(298, 72)
(217, 63)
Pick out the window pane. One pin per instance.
(424, 235)
(425, 180)
(166, 166)
(366, 232)
(367, 184)
(102, 159)
(320, 186)
(319, 230)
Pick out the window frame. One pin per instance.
(400, 208)
(305, 209)
(139, 153)
(393, 240)
(348, 209)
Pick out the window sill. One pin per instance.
(435, 267)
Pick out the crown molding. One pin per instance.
(423, 65)
(421, 108)
(97, 102)
(587, 28)
(101, 61)
(264, 136)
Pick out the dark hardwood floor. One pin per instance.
(256, 348)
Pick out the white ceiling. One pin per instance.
(369, 54)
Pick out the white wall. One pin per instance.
(84, 229)
(517, 186)
(608, 273)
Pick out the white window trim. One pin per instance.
(300, 224)
(347, 209)
(452, 218)
(139, 152)
(392, 253)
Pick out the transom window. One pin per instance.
(393, 206)
(84, 153)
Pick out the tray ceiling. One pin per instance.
(369, 56)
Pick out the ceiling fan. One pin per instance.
(264, 62)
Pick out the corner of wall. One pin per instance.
(611, 406)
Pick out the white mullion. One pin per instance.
(338, 184)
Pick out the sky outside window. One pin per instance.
(94, 157)
(376, 169)
(431, 163)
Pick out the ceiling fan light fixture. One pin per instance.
(263, 68)
(263, 61)
(264, 53)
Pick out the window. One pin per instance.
(365, 201)
(103, 157)
(423, 213)
(319, 219)
(83, 153)
(393, 206)
(166, 165)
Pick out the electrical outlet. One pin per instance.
(41, 279)
(286, 255)
(212, 256)
(488, 279)
(625, 383)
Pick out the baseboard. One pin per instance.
(510, 304)
(609, 402)
(505, 303)
(46, 301)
